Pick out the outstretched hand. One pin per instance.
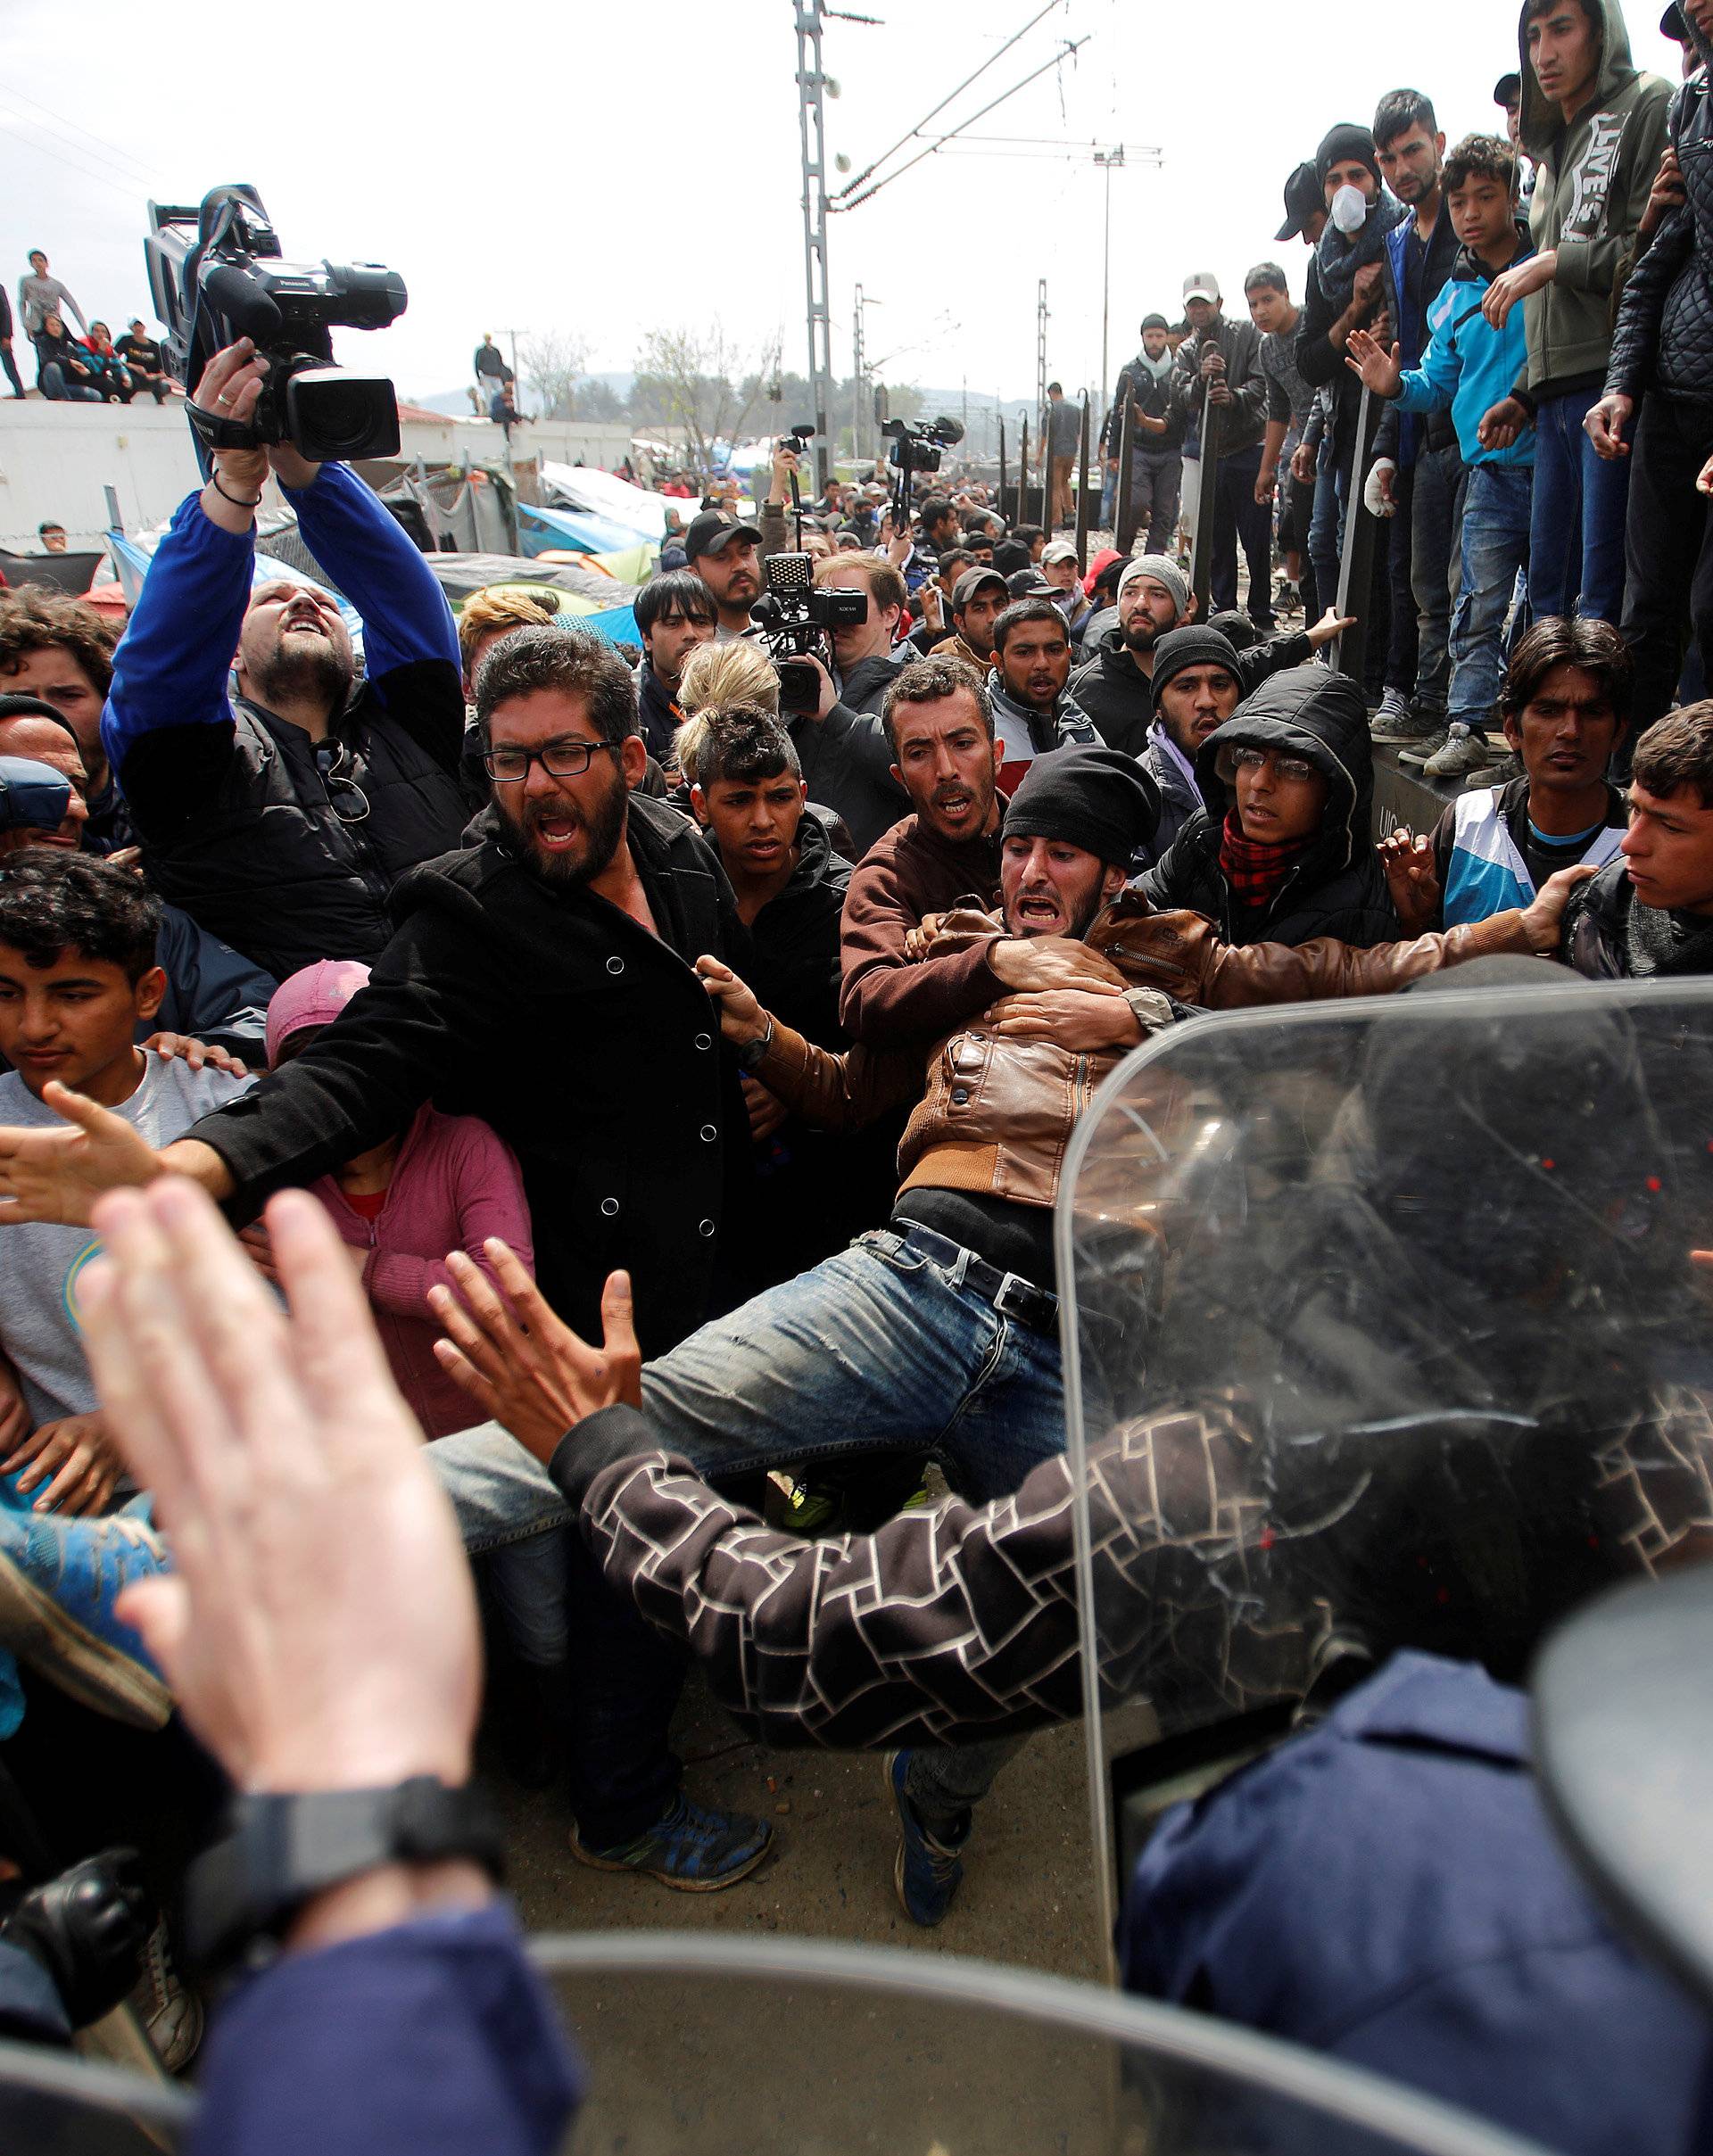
(318, 1628)
(58, 1173)
(742, 1019)
(1543, 916)
(1411, 873)
(521, 1364)
(1381, 370)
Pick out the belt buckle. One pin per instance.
(1014, 1296)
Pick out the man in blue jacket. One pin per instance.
(281, 819)
(1469, 366)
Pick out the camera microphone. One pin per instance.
(249, 307)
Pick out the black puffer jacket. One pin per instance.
(1337, 888)
(1664, 336)
(847, 761)
(1608, 935)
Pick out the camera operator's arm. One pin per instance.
(859, 734)
(777, 533)
(168, 726)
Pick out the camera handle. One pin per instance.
(796, 511)
(215, 433)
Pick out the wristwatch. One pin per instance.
(752, 1052)
(279, 1852)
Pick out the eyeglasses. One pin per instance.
(1291, 768)
(345, 797)
(558, 760)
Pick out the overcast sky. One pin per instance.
(601, 169)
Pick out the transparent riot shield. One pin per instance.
(54, 2103)
(696, 2047)
(1382, 1329)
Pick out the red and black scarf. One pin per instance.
(1252, 868)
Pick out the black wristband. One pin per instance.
(237, 500)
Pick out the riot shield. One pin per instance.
(54, 2103)
(1382, 1329)
(730, 2048)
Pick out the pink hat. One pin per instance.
(313, 997)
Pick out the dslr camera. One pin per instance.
(215, 275)
(795, 619)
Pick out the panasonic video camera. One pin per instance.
(216, 274)
(915, 449)
(795, 619)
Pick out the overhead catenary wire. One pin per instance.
(910, 133)
(1064, 53)
(118, 161)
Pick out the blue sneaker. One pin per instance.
(693, 1850)
(929, 1871)
(59, 1579)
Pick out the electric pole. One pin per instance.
(1040, 390)
(811, 106)
(1106, 160)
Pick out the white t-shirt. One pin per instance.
(41, 1262)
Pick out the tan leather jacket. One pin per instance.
(995, 1115)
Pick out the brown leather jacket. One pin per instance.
(995, 1115)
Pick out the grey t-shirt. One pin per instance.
(42, 1263)
(1063, 428)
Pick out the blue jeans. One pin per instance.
(1327, 524)
(1495, 547)
(54, 385)
(1576, 537)
(1239, 519)
(1435, 577)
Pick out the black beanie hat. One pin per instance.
(1097, 798)
(1156, 321)
(1346, 140)
(1192, 646)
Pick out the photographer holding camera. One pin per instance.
(847, 760)
(282, 818)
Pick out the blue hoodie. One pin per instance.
(1469, 365)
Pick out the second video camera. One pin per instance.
(215, 275)
(796, 620)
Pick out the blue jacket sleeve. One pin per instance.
(368, 554)
(435, 2038)
(1431, 386)
(172, 663)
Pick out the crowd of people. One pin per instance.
(88, 368)
(638, 1082)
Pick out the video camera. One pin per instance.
(228, 281)
(795, 619)
(915, 449)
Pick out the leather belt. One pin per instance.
(1010, 1293)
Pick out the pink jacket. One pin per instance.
(454, 1184)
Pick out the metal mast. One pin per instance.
(858, 374)
(1040, 363)
(812, 117)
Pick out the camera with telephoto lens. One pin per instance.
(216, 274)
(915, 449)
(795, 620)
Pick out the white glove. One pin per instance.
(1374, 502)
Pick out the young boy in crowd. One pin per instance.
(1564, 707)
(1470, 366)
(78, 973)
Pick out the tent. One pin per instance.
(541, 529)
(597, 493)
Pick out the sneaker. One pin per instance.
(1464, 752)
(169, 2011)
(1509, 766)
(692, 1850)
(1430, 744)
(929, 1871)
(1397, 719)
(58, 1579)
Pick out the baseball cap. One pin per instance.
(971, 581)
(713, 530)
(1024, 584)
(1058, 550)
(1508, 90)
(314, 995)
(1303, 198)
(1201, 285)
(1673, 26)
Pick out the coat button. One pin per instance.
(615, 965)
(709, 1133)
(609, 1206)
(704, 1040)
(960, 1097)
(707, 1228)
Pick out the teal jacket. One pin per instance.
(1470, 366)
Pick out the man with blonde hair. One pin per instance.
(488, 616)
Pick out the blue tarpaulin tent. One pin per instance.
(540, 530)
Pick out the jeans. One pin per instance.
(10, 366)
(1495, 547)
(52, 382)
(1436, 567)
(1156, 481)
(1237, 515)
(1401, 642)
(1670, 545)
(1327, 524)
(874, 1350)
(1577, 531)
(622, 1679)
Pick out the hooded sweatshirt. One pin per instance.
(1469, 365)
(1590, 191)
(1338, 887)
